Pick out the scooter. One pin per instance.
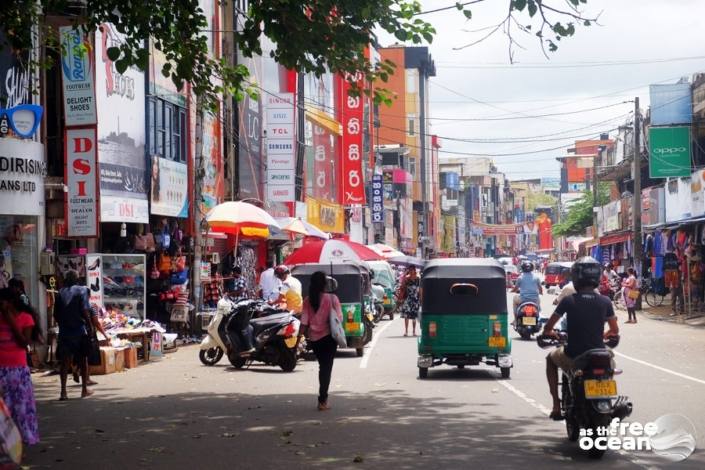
(589, 399)
(527, 320)
(378, 301)
(270, 331)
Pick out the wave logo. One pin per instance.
(674, 439)
(75, 56)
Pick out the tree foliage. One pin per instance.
(309, 35)
(580, 214)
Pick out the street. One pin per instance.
(180, 414)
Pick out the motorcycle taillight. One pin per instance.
(600, 364)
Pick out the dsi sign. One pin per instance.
(669, 152)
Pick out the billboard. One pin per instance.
(169, 195)
(250, 162)
(77, 77)
(352, 184)
(81, 211)
(120, 104)
(671, 104)
(669, 152)
(281, 151)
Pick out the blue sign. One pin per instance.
(671, 104)
(453, 181)
(23, 120)
(377, 200)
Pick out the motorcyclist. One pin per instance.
(587, 313)
(289, 289)
(528, 286)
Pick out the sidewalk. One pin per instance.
(665, 313)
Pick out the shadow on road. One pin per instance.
(385, 429)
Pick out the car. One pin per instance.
(512, 274)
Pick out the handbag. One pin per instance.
(93, 351)
(336, 329)
(9, 435)
(145, 242)
(633, 294)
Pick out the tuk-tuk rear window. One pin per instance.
(349, 287)
(464, 296)
(553, 269)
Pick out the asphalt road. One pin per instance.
(179, 414)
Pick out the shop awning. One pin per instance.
(324, 120)
(613, 238)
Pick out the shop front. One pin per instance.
(22, 171)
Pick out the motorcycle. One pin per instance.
(271, 331)
(527, 320)
(378, 302)
(589, 397)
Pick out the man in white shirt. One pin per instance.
(268, 283)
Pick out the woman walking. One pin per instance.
(16, 330)
(410, 287)
(631, 294)
(315, 320)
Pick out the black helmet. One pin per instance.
(586, 272)
(527, 266)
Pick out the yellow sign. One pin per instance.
(327, 216)
(497, 342)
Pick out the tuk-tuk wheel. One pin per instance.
(423, 372)
(506, 371)
(461, 366)
(360, 352)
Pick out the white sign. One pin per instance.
(121, 209)
(22, 171)
(81, 180)
(77, 77)
(280, 147)
(94, 279)
(169, 188)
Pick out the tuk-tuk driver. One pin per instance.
(528, 285)
(587, 312)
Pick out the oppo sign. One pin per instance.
(670, 152)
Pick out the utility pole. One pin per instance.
(198, 215)
(595, 200)
(636, 200)
(422, 136)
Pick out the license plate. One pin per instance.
(600, 388)
(528, 321)
(498, 341)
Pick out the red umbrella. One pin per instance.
(331, 251)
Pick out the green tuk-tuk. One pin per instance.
(353, 290)
(464, 317)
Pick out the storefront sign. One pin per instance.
(81, 175)
(15, 76)
(377, 199)
(281, 149)
(121, 135)
(669, 152)
(327, 216)
(22, 171)
(250, 164)
(352, 184)
(697, 193)
(611, 216)
(670, 104)
(94, 279)
(653, 206)
(169, 194)
(77, 77)
(678, 199)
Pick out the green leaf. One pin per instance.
(532, 8)
(459, 6)
(401, 35)
(113, 53)
(468, 14)
(518, 4)
(121, 65)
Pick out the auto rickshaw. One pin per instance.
(557, 273)
(464, 318)
(353, 290)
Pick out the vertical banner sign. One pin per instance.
(322, 151)
(281, 155)
(353, 190)
(81, 212)
(94, 279)
(669, 150)
(377, 199)
(77, 77)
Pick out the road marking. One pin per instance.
(662, 369)
(368, 352)
(524, 397)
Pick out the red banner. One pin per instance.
(352, 183)
(322, 155)
(504, 229)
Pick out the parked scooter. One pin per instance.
(378, 300)
(527, 320)
(251, 330)
(589, 397)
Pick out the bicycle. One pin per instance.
(648, 292)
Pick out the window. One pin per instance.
(411, 121)
(412, 79)
(167, 130)
(412, 168)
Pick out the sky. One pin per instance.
(480, 83)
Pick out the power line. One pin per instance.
(536, 116)
(566, 65)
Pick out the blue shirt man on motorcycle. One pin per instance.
(528, 286)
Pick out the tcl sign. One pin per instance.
(81, 209)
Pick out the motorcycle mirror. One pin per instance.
(331, 284)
